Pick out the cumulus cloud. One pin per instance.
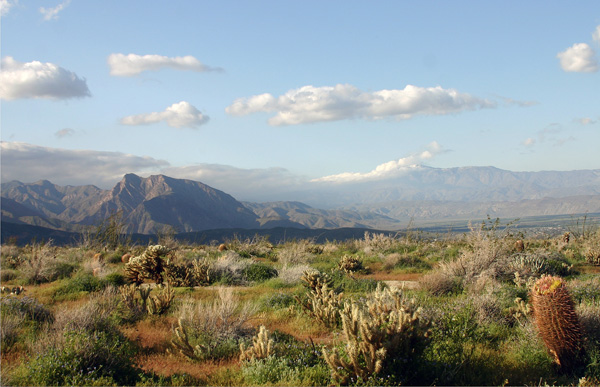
(52, 13)
(66, 132)
(387, 170)
(331, 103)
(39, 80)
(6, 5)
(178, 115)
(129, 65)
(579, 58)
(29, 163)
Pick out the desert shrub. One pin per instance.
(313, 279)
(82, 358)
(293, 363)
(585, 289)
(323, 304)
(26, 308)
(277, 300)
(373, 243)
(589, 317)
(229, 269)
(38, 263)
(211, 331)
(10, 256)
(114, 279)
(439, 283)
(292, 274)
(258, 246)
(9, 331)
(8, 275)
(80, 283)
(398, 260)
(99, 313)
(259, 272)
(60, 269)
(347, 284)
(296, 253)
(192, 273)
(455, 333)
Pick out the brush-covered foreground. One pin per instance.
(492, 307)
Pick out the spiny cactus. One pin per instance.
(160, 303)
(557, 322)
(314, 279)
(323, 304)
(149, 265)
(350, 264)
(386, 327)
(181, 343)
(262, 346)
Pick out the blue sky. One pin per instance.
(252, 95)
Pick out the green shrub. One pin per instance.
(259, 272)
(78, 284)
(114, 279)
(26, 307)
(278, 300)
(84, 358)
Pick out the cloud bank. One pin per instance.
(52, 13)
(39, 80)
(332, 103)
(580, 57)
(5, 6)
(30, 163)
(178, 115)
(387, 170)
(122, 65)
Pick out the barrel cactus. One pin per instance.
(557, 322)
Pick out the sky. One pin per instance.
(256, 96)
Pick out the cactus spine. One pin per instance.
(557, 322)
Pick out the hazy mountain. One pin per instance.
(419, 193)
(147, 204)
(296, 214)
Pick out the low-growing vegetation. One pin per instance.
(490, 307)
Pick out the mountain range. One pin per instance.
(148, 205)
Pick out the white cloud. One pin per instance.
(317, 104)
(129, 65)
(579, 58)
(596, 34)
(52, 13)
(29, 163)
(66, 132)
(6, 5)
(178, 115)
(586, 121)
(529, 142)
(387, 170)
(39, 80)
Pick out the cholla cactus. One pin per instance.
(149, 265)
(385, 327)
(314, 279)
(350, 264)
(557, 322)
(323, 304)
(182, 344)
(161, 302)
(262, 346)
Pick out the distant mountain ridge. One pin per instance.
(150, 204)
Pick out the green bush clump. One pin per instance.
(278, 300)
(259, 272)
(78, 284)
(84, 358)
(25, 307)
